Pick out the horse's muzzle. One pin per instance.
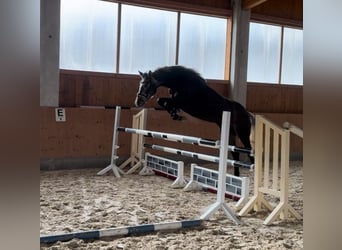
(140, 101)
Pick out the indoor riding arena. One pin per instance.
(135, 153)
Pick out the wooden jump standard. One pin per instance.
(267, 134)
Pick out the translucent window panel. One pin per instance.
(292, 65)
(148, 39)
(88, 35)
(263, 53)
(202, 44)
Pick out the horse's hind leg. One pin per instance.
(245, 139)
(169, 105)
(236, 156)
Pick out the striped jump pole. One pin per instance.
(241, 150)
(199, 156)
(184, 139)
(173, 137)
(121, 231)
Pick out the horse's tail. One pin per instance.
(252, 133)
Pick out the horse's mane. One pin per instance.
(178, 75)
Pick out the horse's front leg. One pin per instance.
(170, 106)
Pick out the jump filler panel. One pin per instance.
(165, 167)
(236, 187)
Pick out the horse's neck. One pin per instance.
(168, 84)
(177, 78)
(165, 79)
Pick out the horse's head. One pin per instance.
(147, 88)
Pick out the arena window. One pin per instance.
(148, 38)
(88, 31)
(202, 44)
(275, 54)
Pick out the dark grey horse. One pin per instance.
(190, 93)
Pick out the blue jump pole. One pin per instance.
(121, 231)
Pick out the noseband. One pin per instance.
(143, 97)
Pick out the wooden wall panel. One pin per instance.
(99, 89)
(289, 12)
(95, 89)
(214, 7)
(274, 98)
(87, 133)
(221, 4)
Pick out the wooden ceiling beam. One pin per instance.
(249, 4)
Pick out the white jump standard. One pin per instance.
(220, 197)
(115, 146)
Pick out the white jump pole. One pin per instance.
(172, 137)
(184, 139)
(199, 156)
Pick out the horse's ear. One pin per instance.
(141, 73)
(150, 73)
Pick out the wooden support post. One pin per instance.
(239, 53)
